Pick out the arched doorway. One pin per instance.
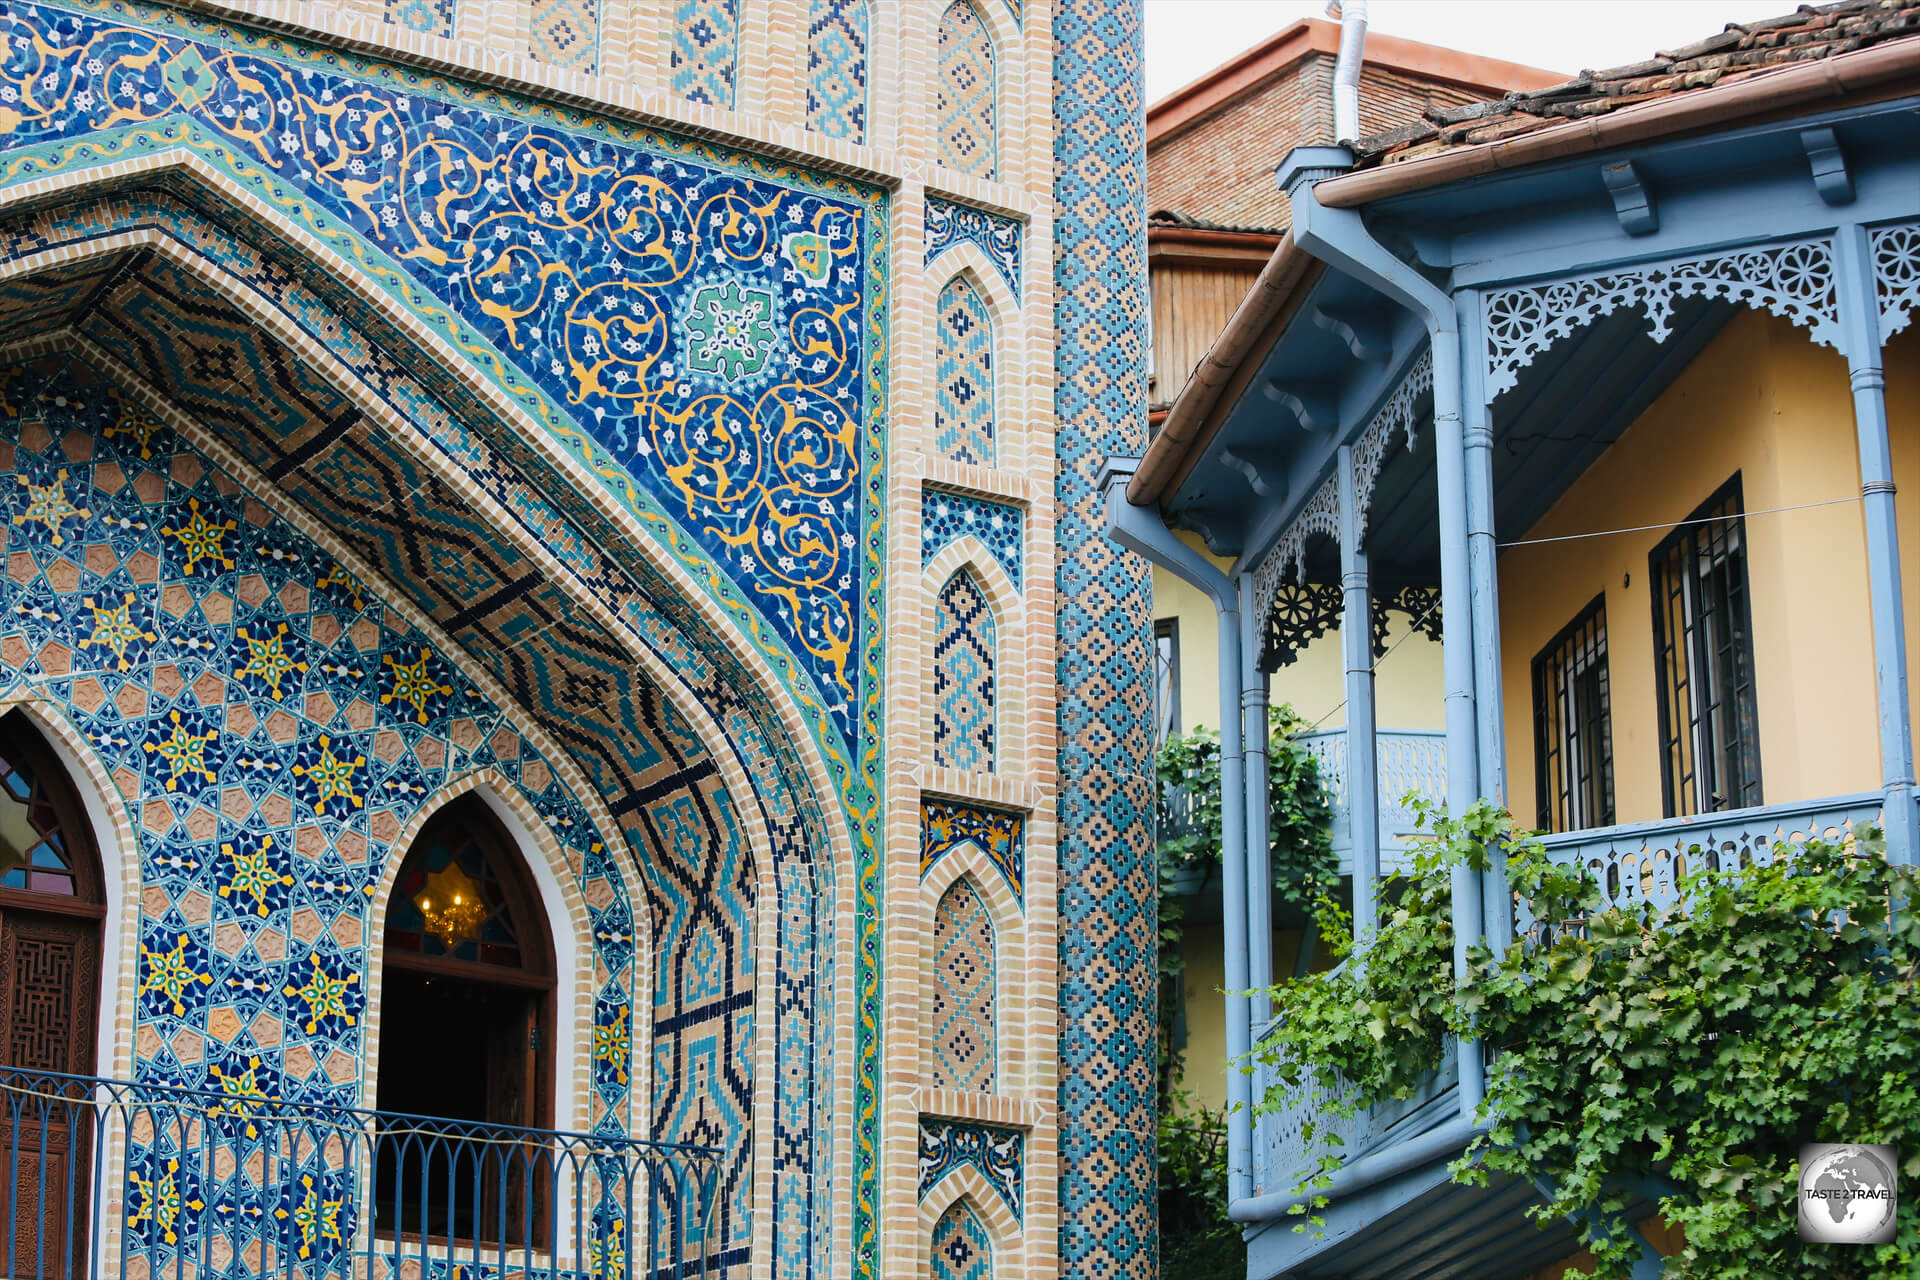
(466, 1037)
(52, 905)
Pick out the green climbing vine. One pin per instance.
(1691, 1049)
(1199, 1242)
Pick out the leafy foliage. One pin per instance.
(1691, 1049)
(1198, 1240)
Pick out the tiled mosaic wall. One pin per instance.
(965, 649)
(1107, 924)
(253, 700)
(961, 1248)
(963, 401)
(966, 111)
(965, 1041)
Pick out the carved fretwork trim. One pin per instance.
(1793, 281)
(1297, 616)
(1896, 274)
(1421, 605)
(1396, 417)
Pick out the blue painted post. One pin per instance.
(1341, 237)
(1253, 736)
(1483, 565)
(1861, 336)
(1363, 752)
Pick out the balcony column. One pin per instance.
(1483, 571)
(1363, 752)
(1861, 338)
(1253, 737)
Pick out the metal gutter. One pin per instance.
(1197, 411)
(1864, 74)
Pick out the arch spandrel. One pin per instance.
(718, 620)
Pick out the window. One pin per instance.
(52, 902)
(1166, 680)
(1572, 725)
(1703, 644)
(466, 1010)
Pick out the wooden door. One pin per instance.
(49, 976)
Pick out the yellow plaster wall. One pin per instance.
(1407, 682)
(1763, 401)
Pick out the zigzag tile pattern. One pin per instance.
(964, 653)
(966, 109)
(962, 1250)
(1105, 635)
(837, 32)
(965, 1014)
(566, 33)
(963, 419)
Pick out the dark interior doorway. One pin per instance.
(52, 903)
(466, 1040)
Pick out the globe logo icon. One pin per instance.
(1848, 1192)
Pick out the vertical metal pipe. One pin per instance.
(1233, 925)
(1483, 566)
(1142, 530)
(1363, 752)
(1456, 609)
(1253, 735)
(1860, 333)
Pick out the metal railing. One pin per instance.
(108, 1179)
(1410, 761)
(1644, 861)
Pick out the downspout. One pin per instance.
(1141, 530)
(1340, 237)
(1346, 68)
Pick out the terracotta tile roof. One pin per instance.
(1173, 218)
(1743, 51)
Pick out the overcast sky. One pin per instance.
(1188, 38)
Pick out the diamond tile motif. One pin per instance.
(837, 32)
(964, 647)
(965, 103)
(965, 1034)
(963, 372)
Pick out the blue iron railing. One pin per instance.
(105, 1178)
(1411, 762)
(1639, 861)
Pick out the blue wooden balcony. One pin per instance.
(1411, 761)
(1413, 1214)
(105, 1178)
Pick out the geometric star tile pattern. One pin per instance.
(274, 726)
(946, 516)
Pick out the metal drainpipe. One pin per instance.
(1253, 734)
(1141, 530)
(1340, 237)
(1346, 69)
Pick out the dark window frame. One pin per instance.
(1167, 629)
(1715, 531)
(1585, 800)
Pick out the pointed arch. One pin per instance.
(990, 596)
(964, 1039)
(1004, 1230)
(966, 368)
(115, 843)
(961, 1248)
(966, 107)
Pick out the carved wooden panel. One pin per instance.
(49, 983)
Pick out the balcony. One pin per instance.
(104, 1178)
(1410, 761)
(1637, 862)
